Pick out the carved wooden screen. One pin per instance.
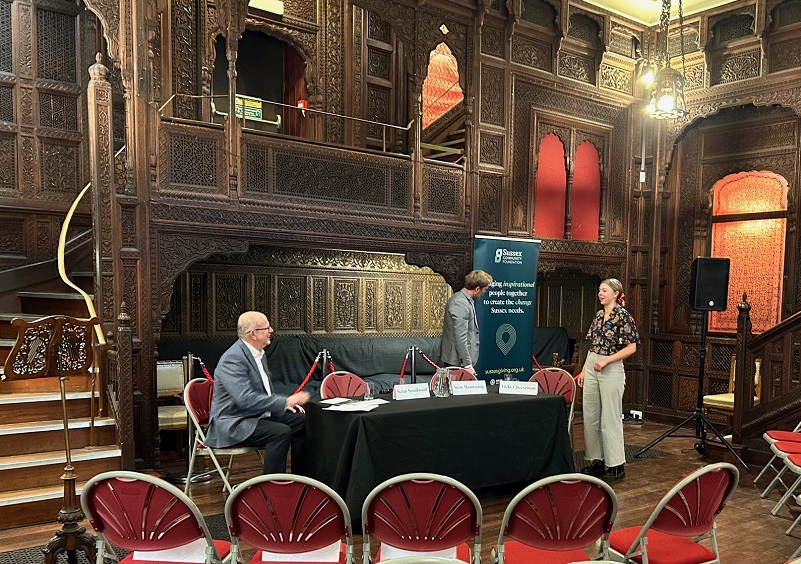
(441, 90)
(749, 222)
(39, 343)
(550, 190)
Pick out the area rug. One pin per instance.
(579, 461)
(215, 523)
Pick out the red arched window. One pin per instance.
(749, 221)
(549, 193)
(585, 199)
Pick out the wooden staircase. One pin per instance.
(32, 456)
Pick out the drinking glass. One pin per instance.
(369, 391)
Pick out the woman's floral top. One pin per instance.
(608, 337)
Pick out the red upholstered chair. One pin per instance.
(684, 516)
(559, 382)
(342, 384)
(197, 397)
(422, 513)
(288, 514)
(772, 436)
(457, 374)
(145, 514)
(554, 519)
(425, 560)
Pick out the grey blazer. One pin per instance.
(459, 344)
(239, 398)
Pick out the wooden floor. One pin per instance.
(747, 533)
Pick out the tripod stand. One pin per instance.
(701, 422)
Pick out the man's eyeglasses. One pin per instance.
(263, 329)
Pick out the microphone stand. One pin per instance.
(70, 537)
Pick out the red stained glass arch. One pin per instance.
(441, 90)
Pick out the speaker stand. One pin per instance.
(701, 421)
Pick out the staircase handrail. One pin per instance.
(751, 419)
(62, 271)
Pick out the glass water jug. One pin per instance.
(442, 383)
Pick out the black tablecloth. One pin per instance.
(483, 440)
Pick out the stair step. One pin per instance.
(27, 470)
(49, 385)
(42, 436)
(9, 332)
(31, 407)
(28, 461)
(52, 425)
(51, 303)
(31, 506)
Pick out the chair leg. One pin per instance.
(191, 467)
(223, 475)
(776, 479)
(797, 519)
(765, 468)
(785, 497)
(797, 553)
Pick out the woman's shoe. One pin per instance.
(596, 468)
(614, 473)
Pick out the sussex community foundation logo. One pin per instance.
(505, 338)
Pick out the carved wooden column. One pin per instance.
(101, 164)
(231, 16)
(569, 169)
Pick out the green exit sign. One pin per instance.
(250, 107)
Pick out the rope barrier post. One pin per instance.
(414, 364)
(326, 359)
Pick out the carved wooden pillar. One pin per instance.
(125, 388)
(126, 28)
(602, 218)
(231, 16)
(569, 169)
(101, 164)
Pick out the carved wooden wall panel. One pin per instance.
(185, 24)
(192, 162)
(307, 175)
(443, 191)
(307, 291)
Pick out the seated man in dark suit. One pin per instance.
(245, 408)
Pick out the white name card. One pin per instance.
(520, 388)
(469, 387)
(410, 391)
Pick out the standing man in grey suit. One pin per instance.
(245, 408)
(459, 344)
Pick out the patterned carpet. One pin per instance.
(216, 524)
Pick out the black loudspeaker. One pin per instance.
(709, 284)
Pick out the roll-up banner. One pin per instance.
(506, 312)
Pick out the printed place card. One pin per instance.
(469, 387)
(519, 388)
(410, 391)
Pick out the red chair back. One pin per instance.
(140, 512)
(342, 384)
(197, 397)
(422, 512)
(565, 512)
(287, 514)
(689, 509)
(555, 381)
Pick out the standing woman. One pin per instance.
(613, 336)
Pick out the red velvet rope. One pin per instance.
(534, 358)
(331, 365)
(405, 362)
(309, 374)
(428, 360)
(206, 372)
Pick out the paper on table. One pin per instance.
(334, 401)
(357, 405)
